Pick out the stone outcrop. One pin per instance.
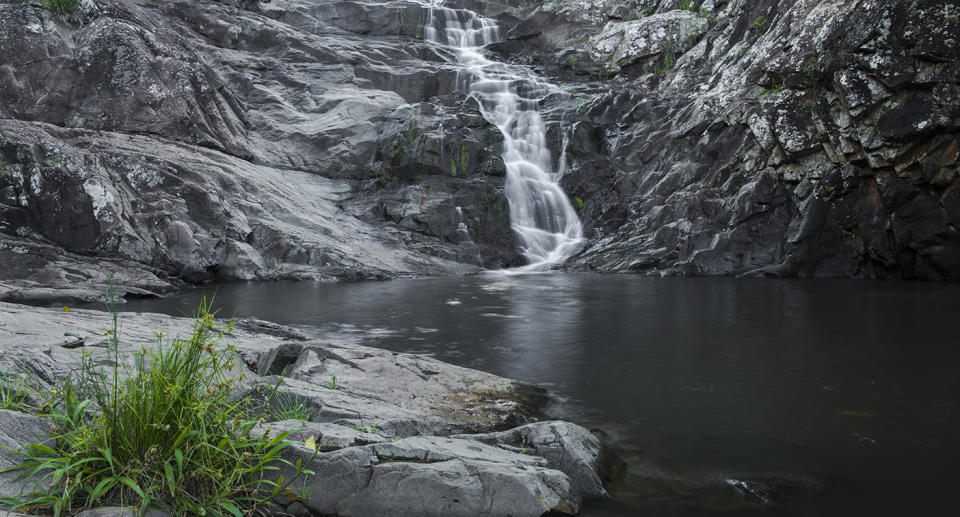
(388, 433)
(190, 141)
(786, 138)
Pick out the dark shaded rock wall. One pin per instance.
(162, 142)
(788, 138)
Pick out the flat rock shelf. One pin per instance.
(398, 433)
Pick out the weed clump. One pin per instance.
(61, 6)
(166, 432)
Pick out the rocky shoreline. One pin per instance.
(398, 434)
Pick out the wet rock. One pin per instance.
(800, 93)
(568, 447)
(432, 476)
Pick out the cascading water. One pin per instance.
(509, 97)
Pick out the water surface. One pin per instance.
(824, 397)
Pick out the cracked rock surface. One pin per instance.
(397, 434)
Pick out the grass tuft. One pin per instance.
(14, 394)
(61, 6)
(164, 432)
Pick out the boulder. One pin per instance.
(429, 476)
(567, 447)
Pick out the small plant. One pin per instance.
(164, 432)
(772, 91)
(580, 205)
(61, 6)
(711, 16)
(58, 161)
(287, 406)
(333, 383)
(244, 66)
(368, 429)
(668, 61)
(650, 10)
(582, 107)
(572, 60)
(687, 5)
(759, 23)
(634, 15)
(810, 67)
(14, 394)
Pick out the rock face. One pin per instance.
(380, 437)
(190, 141)
(787, 138)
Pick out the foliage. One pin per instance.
(61, 6)
(772, 91)
(759, 23)
(687, 5)
(668, 61)
(13, 393)
(164, 432)
(287, 406)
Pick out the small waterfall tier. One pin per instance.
(509, 97)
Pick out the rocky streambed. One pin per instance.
(398, 434)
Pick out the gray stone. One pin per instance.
(374, 449)
(430, 476)
(401, 394)
(567, 447)
(624, 43)
(326, 436)
(16, 431)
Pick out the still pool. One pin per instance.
(726, 396)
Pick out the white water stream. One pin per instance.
(509, 97)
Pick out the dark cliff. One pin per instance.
(160, 142)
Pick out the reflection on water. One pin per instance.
(827, 397)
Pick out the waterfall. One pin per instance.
(509, 97)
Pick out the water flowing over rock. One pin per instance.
(191, 141)
(509, 98)
(784, 138)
